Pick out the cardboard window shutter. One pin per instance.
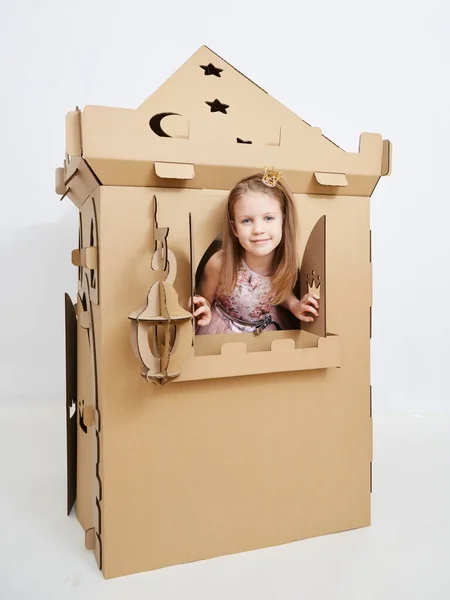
(170, 439)
(313, 276)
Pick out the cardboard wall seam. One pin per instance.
(98, 552)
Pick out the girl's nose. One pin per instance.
(258, 227)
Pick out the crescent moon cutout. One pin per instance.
(155, 123)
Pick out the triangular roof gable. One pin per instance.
(196, 117)
(248, 110)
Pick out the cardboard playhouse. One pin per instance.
(185, 447)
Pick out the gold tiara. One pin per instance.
(271, 177)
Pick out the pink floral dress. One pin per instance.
(247, 308)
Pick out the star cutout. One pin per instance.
(217, 106)
(211, 70)
(241, 141)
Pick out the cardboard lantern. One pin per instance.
(228, 442)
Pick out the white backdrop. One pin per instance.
(346, 66)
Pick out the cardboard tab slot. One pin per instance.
(282, 345)
(89, 539)
(167, 170)
(84, 319)
(386, 158)
(331, 179)
(60, 187)
(76, 257)
(88, 416)
(86, 257)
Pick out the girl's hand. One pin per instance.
(204, 309)
(306, 309)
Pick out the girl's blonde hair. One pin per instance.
(285, 263)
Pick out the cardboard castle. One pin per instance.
(184, 447)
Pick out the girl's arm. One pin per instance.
(207, 288)
(211, 277)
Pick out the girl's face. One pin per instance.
(258, 223)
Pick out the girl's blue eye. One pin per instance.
(244, 221)
(268, 218)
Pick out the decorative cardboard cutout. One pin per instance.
(161, 309)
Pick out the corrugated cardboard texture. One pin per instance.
(199, 469)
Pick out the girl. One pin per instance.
(245, 283)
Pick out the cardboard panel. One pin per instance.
(247, 461)
(71, 402)
(235, 360)
(88, 447)
(313, 276)
(86, 435)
